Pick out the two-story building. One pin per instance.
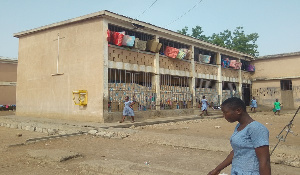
(73, 70)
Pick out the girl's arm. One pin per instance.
(131, 104)
(222, 165)
(263, 156)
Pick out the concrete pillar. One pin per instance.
(240, 85)
(219, 78)
(156, 78)
(192, 78)
(105, 70)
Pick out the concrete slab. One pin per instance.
(54, 155)
(113, 166)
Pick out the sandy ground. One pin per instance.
(186, 147)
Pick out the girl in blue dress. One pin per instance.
(249, 141)
(128, 111)
(204, 105)
(253, 104)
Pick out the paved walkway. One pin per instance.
(40, 124)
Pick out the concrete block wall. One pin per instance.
(132, 56)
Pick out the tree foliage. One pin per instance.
(235, 40)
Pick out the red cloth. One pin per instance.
(118, 38)
(108, 35)
(171, 52)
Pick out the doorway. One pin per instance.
(246, 93)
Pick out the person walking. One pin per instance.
(249, 141)
(253, 104)
(128, 111)
(277, 107)
(204, 105)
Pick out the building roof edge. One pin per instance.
(278, 55)
(127, 19)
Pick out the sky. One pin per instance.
(277, 22)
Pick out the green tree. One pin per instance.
(244, 43)
(223, 39)
(236, 40)
(197, 33)
(184, 31)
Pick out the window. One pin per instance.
(286, 85)
(198, 51)
(203, 83)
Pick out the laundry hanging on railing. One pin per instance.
(235, 65)
(232, 63)
(251, 68)
(121, 39)
(128, 40)
(153, 46)
(181, 54)
(118, 38)
(141, 45)
(171, 52)
(225, 63)
(238, 65)
(204, 58)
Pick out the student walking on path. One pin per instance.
(204, 105)
(253, 104)
(277, 107)
(128, 111)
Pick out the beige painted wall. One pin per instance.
(277, 67)
(266, 92)
(7, 95)
(296, 92)
(8, 73)
(81, 61)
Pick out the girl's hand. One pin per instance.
(214, 172)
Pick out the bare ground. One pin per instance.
(186, 147)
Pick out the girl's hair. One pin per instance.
(234, 103)
(203, 96)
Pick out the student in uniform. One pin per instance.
(249, 141)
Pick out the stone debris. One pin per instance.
(115, 133)
(171, 124)
(93, 132)
(290, 160)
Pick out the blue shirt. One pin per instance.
(244, 142)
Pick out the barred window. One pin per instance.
(286, 85)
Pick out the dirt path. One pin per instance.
(188, 147)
